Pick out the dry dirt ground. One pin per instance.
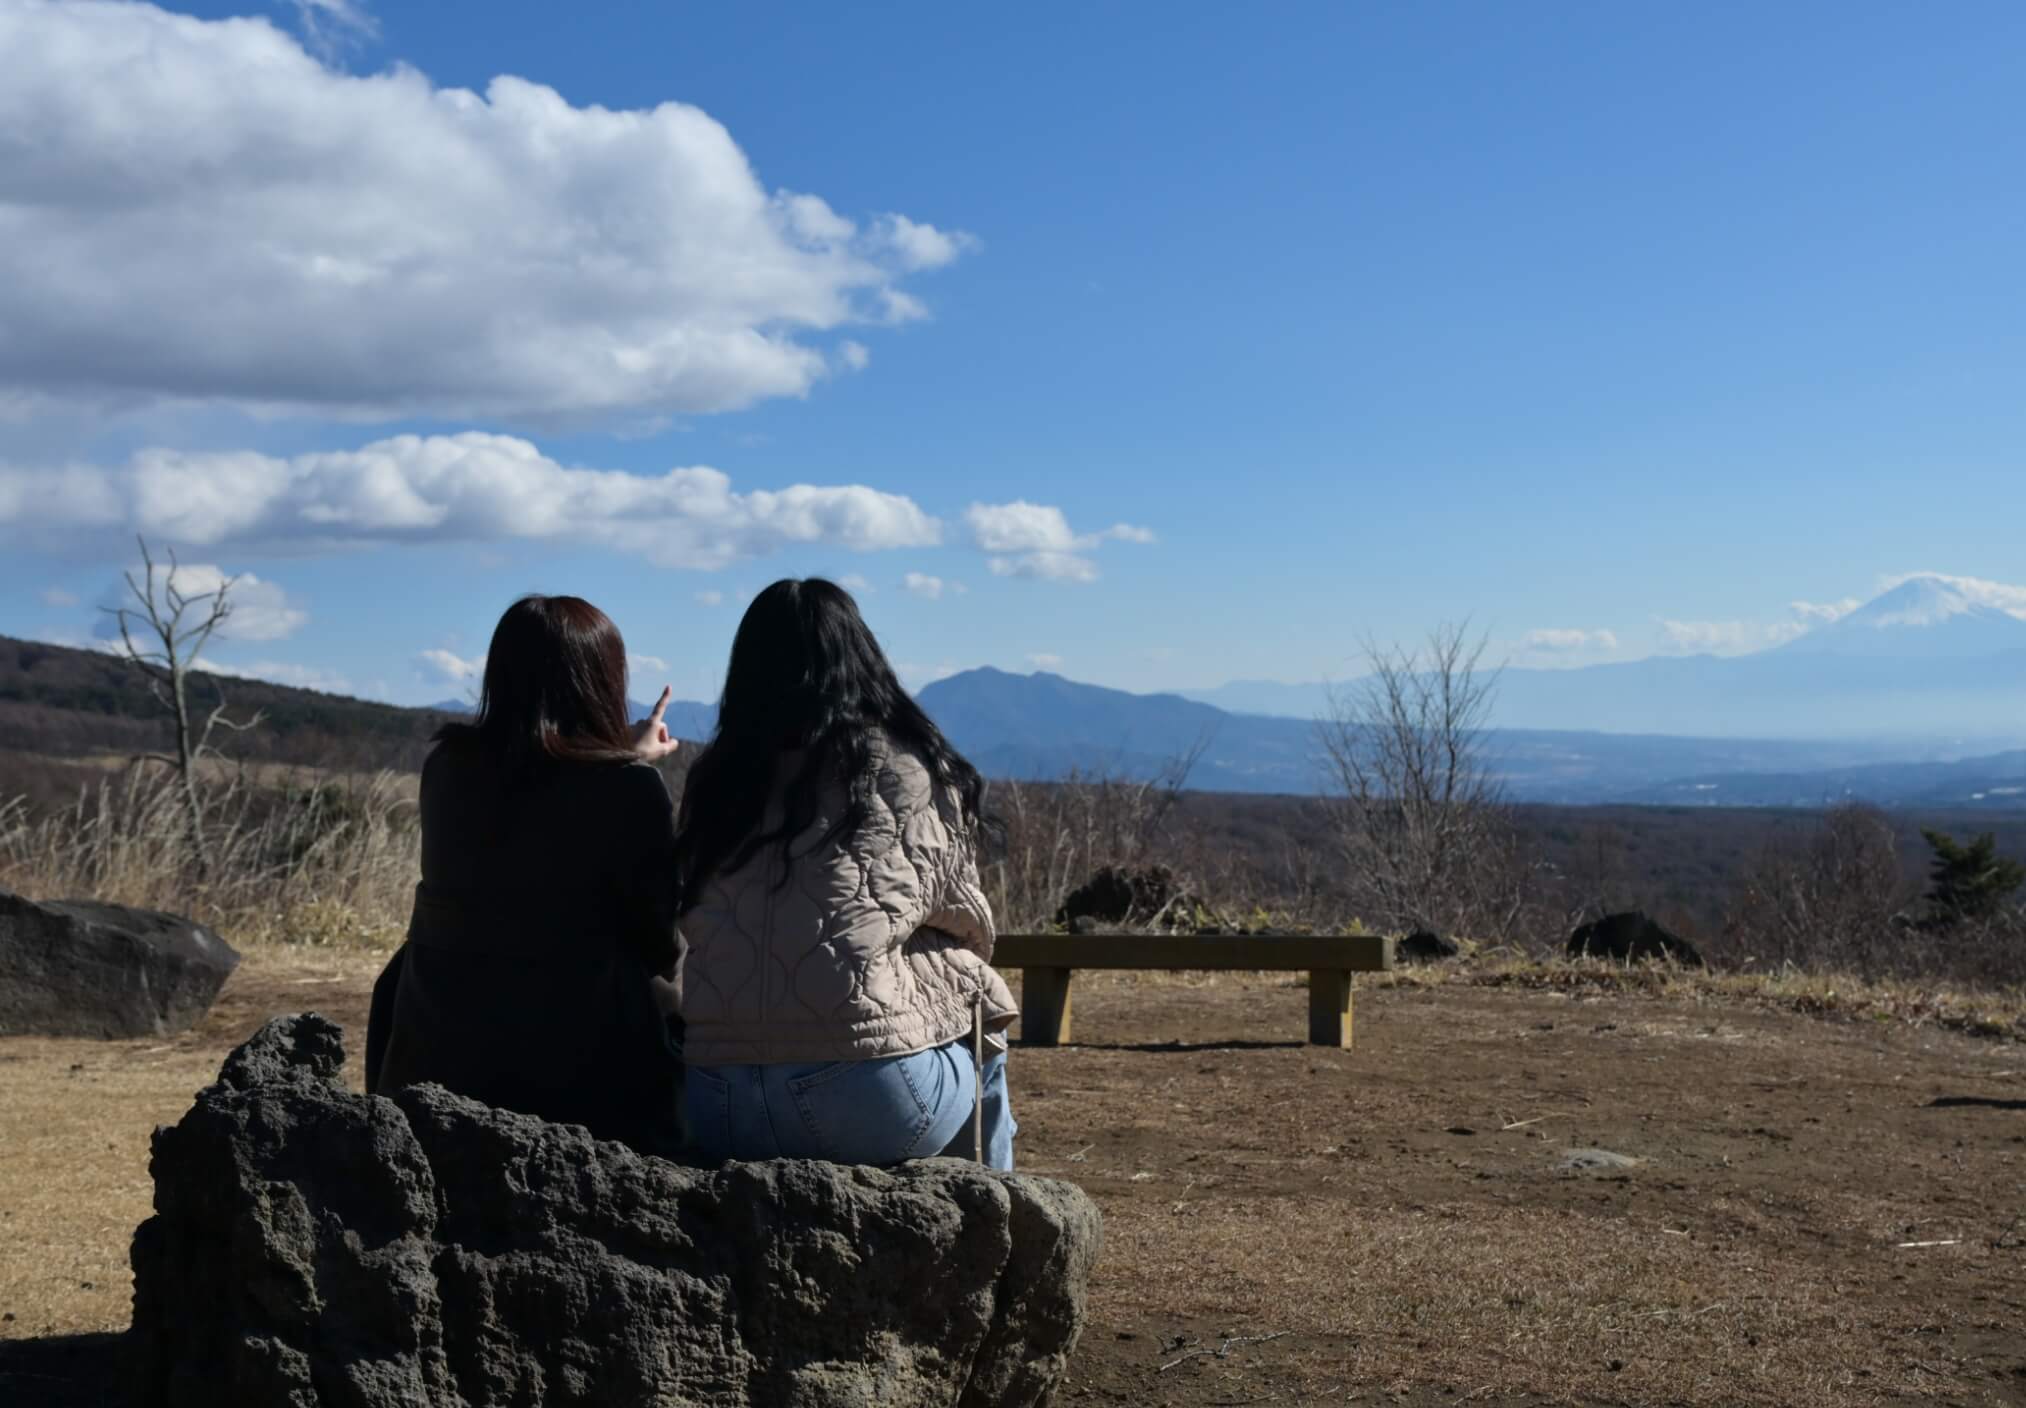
(1815, 1212)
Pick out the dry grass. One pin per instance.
(299, 857)
(1998, 1014)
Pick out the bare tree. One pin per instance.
(1835, 898)
(1418, 813)
(163, 631)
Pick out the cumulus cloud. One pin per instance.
(258, 610)
(1555, 640)
(56, 596)
(2004, 596)
(855, 584)
(929, 588)
(448, 667)
(1035, 540)
(471, 487)
(1042, 660)
(917, 246)
(644, 665)
(1728, 637)
(202, 210)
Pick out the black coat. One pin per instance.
(535, 976)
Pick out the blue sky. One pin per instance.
(1161, 345)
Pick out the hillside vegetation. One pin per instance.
(316, 824)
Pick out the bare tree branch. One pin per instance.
(183, 623)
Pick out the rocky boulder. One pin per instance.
(1425, 946)
(1115, 896)
(78, 968)
(1629, 936)
(311, 1246)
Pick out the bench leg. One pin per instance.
(1044, 1006)
(1329, 1007)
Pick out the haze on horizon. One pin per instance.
(1160, 350)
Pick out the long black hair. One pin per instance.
(805, 673)
(555, 689)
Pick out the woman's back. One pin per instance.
(544, 917)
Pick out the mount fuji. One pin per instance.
(1921, 618)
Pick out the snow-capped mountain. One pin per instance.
(1921, 618)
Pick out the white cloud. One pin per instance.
(2003, 595)
(57, 596)
(710, 598)
(1556, 640)
(1728, 637)
(916, 246)
(281, 672)
(854, 356)
(1042, 660)
(471, 487)
(1035, 540)
(855, 584)
(1823, 613)
(1045, 566)
(448, 667)
(330, 26)
(202, 211)
(641, 666)
(259, 610)
(930, 588)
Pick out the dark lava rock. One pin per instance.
(78, 968)
(311, 1246)
(1629, 936)
(1114, 895)
(1425, 946)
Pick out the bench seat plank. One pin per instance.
(1047, 962)
(1350, 953)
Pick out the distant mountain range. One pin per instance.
(1039, 727)
(1925, 660)
(1915, 699)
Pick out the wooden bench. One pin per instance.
(1047, 960)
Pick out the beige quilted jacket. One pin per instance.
(874, 947)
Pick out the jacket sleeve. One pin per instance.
(651, 883)
(943, 851)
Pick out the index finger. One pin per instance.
(661, 704)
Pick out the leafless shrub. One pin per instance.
(1420, 818)
(1840, 897)
(1056, 833)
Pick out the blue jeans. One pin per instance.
(851, 1112)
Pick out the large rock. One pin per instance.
(1629, 936)
(315, 1247)
(1426, 946)
(78, 968)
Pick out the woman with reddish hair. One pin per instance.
(537, 975)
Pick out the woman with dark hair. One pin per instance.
(836, 944)
(541, 955)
